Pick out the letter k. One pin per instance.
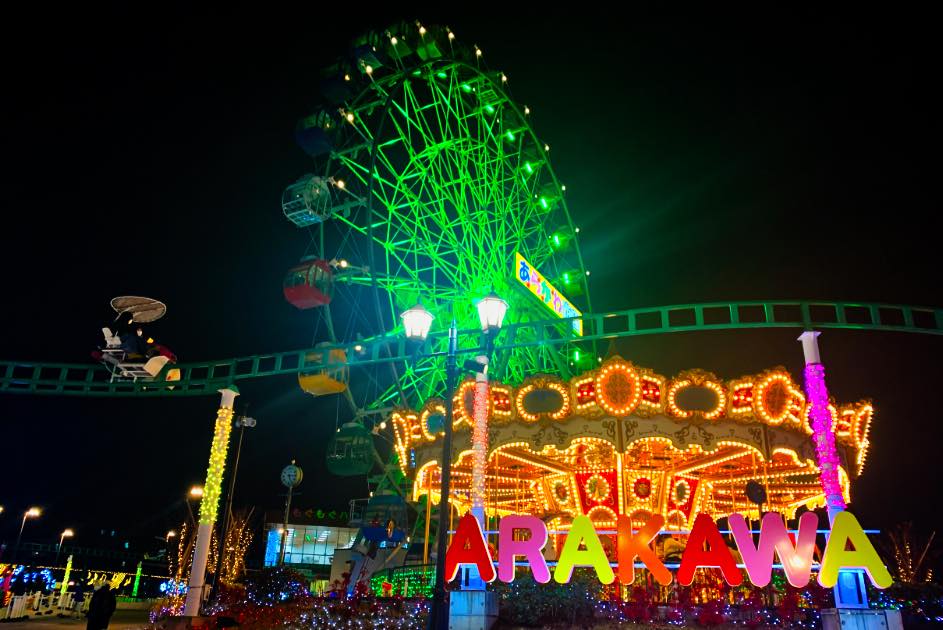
(632, 546)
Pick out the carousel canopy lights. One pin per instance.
(417, 321)
(491, 312)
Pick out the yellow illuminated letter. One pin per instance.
(845, 529)
(582, 533)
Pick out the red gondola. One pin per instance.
(309, 285)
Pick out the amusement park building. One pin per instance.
(313, 537)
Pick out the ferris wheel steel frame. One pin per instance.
(476, 139)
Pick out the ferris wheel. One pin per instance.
(429, 186)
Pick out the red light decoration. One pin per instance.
(586, 393)
(501, 401)
(651, 391)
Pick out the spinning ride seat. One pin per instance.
(331, 380)
(350, 451)
(309, 285)
(115, 358)
(114, 354)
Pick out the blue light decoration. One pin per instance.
(172, 587)
(36, 580)
(272, 545)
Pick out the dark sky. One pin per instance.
(784, 157)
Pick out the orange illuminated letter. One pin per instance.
(632, 546)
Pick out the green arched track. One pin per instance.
(25, 377)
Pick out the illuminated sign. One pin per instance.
(540, 287)
(847, 548)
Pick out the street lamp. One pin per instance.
(33, 512)
(196, 493)
(66, 533)
(170, 534)
(491, 312)
(416, 322)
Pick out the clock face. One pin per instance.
(291, 476)
(597, 488)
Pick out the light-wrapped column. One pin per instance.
(209, 504)
(480, 442)
(821, 420)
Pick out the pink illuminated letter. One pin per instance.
(797, 560)
(531, 549)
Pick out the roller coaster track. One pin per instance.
(204, 378)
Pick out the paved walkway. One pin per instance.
(122, 620)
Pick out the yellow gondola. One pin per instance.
(331, 380)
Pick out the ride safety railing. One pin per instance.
(205, 378)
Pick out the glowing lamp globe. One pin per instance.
(416, 322)
(491, 312)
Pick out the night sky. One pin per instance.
(783, 157)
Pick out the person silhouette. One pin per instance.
(101, 608)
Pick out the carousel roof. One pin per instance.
(693, 431)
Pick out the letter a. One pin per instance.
(632, 546)
(530, 549)
(797, 560)
(468, 547)
(845, 529)
(582, 532)
(716, 554)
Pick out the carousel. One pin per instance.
(622, 439)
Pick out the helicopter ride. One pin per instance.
(126, 352)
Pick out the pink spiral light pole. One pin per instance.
(853, 593)
(821, 420)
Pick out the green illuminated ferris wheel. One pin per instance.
(429, 185)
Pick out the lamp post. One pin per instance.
(291, 479)
(66, 533)
(416, 323)
(33, 512)
(195, 494)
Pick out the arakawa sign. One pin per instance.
(848, 547)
